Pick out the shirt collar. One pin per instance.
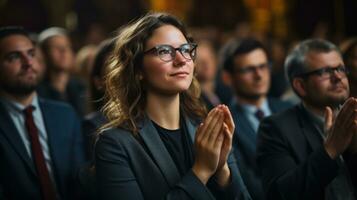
(316, 119)
(18, 107)
(251, 109)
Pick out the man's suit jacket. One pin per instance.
(244, 143)
(129, 167)
(18, 178)
(291, 157)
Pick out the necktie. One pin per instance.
(259, 114)
(47, 187)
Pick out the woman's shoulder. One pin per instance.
(116, 140)
(115, 133)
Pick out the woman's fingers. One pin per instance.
(216, 129)
(228, 118)
(206, 125)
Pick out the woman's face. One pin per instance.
(162, 76)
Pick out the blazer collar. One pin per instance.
(10, 132)
(53, 133)
(310, 131)
(241, 121)
(158, 150)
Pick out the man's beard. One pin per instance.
(19, 88)
(333, 102)
(250, 96)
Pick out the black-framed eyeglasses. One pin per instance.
(326, 72)
(167, 52)
(252, 68)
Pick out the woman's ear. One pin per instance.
(299, 86)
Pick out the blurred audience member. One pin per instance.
(279, 84)
(350, 59)
(96, 119)
(299, 150)
(206, 71)
(223, 90)
(59, 57)
(247, 71)
(40, 141)
(84, 62)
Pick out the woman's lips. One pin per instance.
(180, 74)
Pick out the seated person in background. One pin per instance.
(94, 120)
(206, 71)
(151, 149)
(350, 59)
(299, 151)
(58, 83)
(40, 141)
(246, 70)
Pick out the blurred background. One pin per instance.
(278, 24)
(90, 21)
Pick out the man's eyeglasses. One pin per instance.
(167, 53)
(253, 68)
(326, 72)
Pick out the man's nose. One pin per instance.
(337, 75)
(27, 60)
(258, 72)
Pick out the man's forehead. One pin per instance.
(323, 59)
(15, 43)
(254, 57)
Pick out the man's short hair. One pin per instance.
(295, 62)
(239, 47)
(13, 30)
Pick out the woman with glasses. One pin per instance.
(159, 142)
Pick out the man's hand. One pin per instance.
(341, 129)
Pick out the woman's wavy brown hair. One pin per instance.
(124, 89)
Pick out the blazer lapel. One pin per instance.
(11, 133)
(52, 130)
(312, 135)
(191, 129)
(159, 153)
(243, 125)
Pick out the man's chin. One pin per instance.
(336, 101)
(253, 96)
(20, 90)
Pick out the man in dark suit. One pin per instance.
(40, 141)
(299, 151)
(247, 71)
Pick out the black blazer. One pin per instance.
(18, 179)
(291, 157)
(244, 143)
(130, 168)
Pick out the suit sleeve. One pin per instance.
(77, 153)
(2, 196)
(116, 179)
(351, 162)
(77, 143)
(235, 189)
(283, 177)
